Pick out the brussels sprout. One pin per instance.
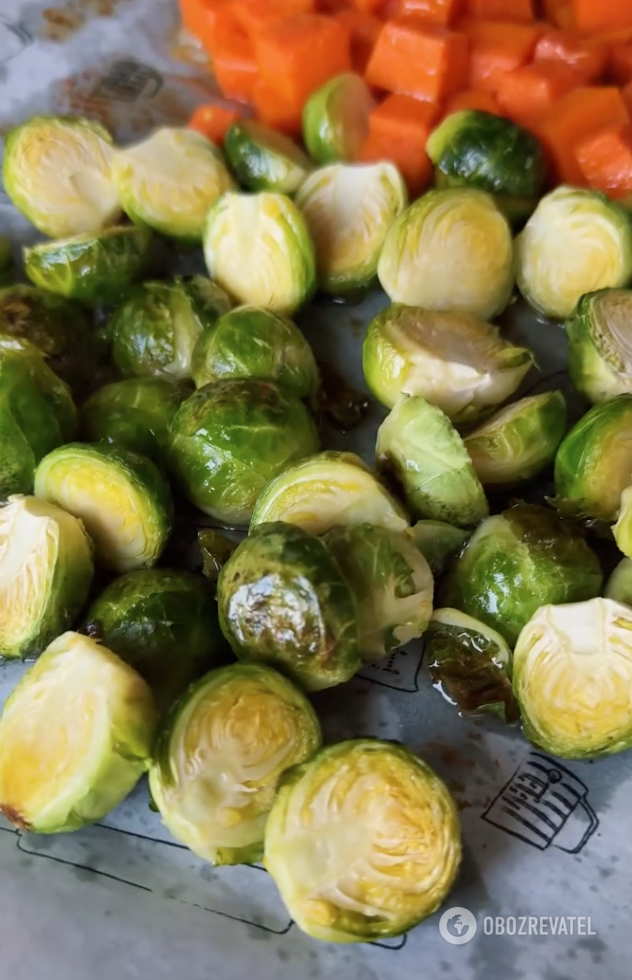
(391, 581)
(438, 542)
(454, 361)
(264, 160)
(76, 735)
(451, 250)
(251, 342)
(470, 664)
(349, 210)
(163, 624)
(363, 842)
(7, 268)
(284, 601)
(120, 496)
(336, 119)
(572, 673)
(600, 344)
(45, 574)
(329, 489)
(259, 250)
(94, 269)
(516, 443)
(36, 414)
(477, 149)
(622, 530)
(229, 439)
(517, 561)
(169, 181)
(219, 761)
(575, 242)
(593, 465)
(418, 445)
(619, 585)
(156, 327)
(216, 548)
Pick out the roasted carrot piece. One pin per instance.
(405, 118)
(254, 15)
(363, 32)
(411, 160)
(198, 16)
(416, 58)
(605, 160)
(594, 16)
(559, 13)
(516, 11)
(366, 6)
(620, 63)
(298, 55)
(276, 110)
(233, 58)
(497, 47)
(213, 121)
(473, 99)
(441, 13)
(626, 95)
(567, 48)
(527, 92)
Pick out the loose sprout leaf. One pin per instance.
(600, 344)
(216, 549)
(336, 119)
(263, 159)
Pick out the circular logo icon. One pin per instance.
(457, 926)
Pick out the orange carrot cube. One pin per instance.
(298, 55)
(415, 58)
(605, 160)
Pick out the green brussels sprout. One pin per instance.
(251, 342)
(600, 344)
(336, 119)
(329, 489)
(163, 624)
(516, 443)
(37, 414)
(45, 574)
(470, 664)
(517, 561)
(575, 242)
(169, 181)
(76, 735)
(229, 439)
(622, 530)
(259, 250)
(418, 445)
(7, 267)
(438, 542)
(284, 601)
(94, 269)
(349, 209)
(121, 497)
(363, 842)
(471, 148)
(264, 160)
(156, 327)
(619, 585)
(391, 581)
(455, 361)
(450, 250)
(220, 758)
(572, 671)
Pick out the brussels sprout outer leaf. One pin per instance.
(264, 160)
(619, 585)
(216, 549)
(600, 344)
(438, 542)
(336, 119)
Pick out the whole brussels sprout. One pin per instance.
(7, 268)
(263, 159)
(600, 344)
(619, 585)
(336, 119)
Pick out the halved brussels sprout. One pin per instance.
(438, 542)
(45, 574)
(336, 119)
(7, 267)
(418, 445)
(259, 250)
(349, 210)
(219, 761)
(76, 735)
(622, 530)
(264, 160)
(329, 489)
(363, 842)
(284, 601)
(454, 361)
(575, 242)
(94, 269)
(169, 181)
(600, 344)
(572, 676)
(251, 342)
(163, 624)
(156, 327)
(517, 561)
(229, 439)
(619, 585)
(451, 250)
(471, 148)
(391, 581)
(121, 497)
(516, 443)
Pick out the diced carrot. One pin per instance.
(498, 47)
(363, 31)
(411, 160)
(594, 16)
(516, 11)
(626, 95)
(388, 10)
(254, 15)
(366, 6)
(441, 13)
(416, 58)
(527, 92)
(233, 58)
(276, 110)
(559, 13)
(298, 55)
(605, 160)
(472, 99)
(213, 121)
(620, 63)
(331, 6)
(198, 16)
(403, 117)
(587, 60)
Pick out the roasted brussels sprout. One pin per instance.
(619, 585)
(259, 250)
(454, 361)
(622, 530)
(438, 542)
(571, 675)
(215, 548)
(121, 498)
(7, 268)
(575, 242)
(349, 210)
(57, 173)
(600, 344)
(264, 160)
(451, 250)
(76, 735)
(229, 439)
(375, 841)
(284, 601)
(336, 119)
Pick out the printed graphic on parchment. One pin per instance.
(399, 671)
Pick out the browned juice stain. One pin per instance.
(61, 22)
